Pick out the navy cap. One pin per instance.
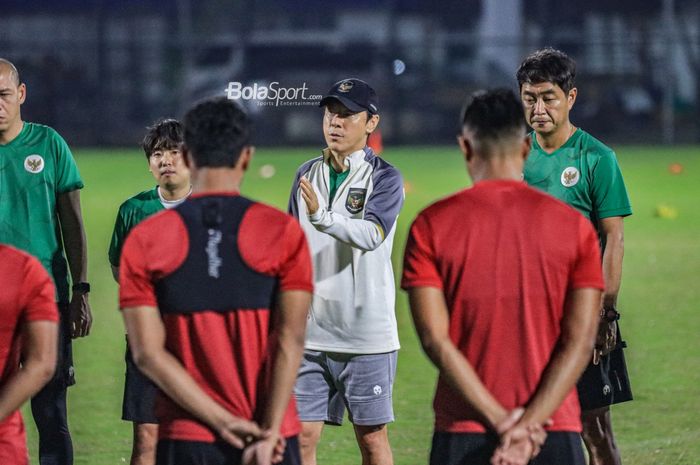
(355, 94)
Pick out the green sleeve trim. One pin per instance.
(624, 211)
(71, 187)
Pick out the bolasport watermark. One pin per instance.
(272, 94)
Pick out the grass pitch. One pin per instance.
(658, 301)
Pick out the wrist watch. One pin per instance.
(609, 314)
(81, 287)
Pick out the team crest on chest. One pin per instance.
(355, 201)
(34, 164)
(570, 176)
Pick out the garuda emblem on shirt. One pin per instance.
(570, 176)
(356, 200)
(34, 163)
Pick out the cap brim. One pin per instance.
(347, 103)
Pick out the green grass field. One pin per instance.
(658, 300)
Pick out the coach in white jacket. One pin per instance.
(347, 201)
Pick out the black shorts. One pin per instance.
(139, 394)
(606, 383)
(65, 373)
(560, 448)
(172, 452)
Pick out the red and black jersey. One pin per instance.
(505, 256)
(213, 266)
(27, 294)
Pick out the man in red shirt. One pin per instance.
(28, 330)
(504, 285)
(215, 294)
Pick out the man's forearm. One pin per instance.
(357, 233)
(459, 373)
(37, 368)
(146, 335)
(171, 377)
(30, 378)
(73, 232)
(571, 354)
(430, 316)
(612, 259)
(287, 355)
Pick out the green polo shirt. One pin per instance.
(131, 213)
(583, 173)
(35, 167)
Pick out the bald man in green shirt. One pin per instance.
(40, 213)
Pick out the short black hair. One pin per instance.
(494, 114)
(216, 131)
(548, 65)
(164, 134)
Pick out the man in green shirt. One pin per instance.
(163, 148)
(40, 213)
(573, 166)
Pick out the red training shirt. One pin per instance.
(227, 353)
(505, 256)
(27, 294)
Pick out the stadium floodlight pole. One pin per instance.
(184, 20)
(668, 117)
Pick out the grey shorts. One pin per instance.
(328, 383)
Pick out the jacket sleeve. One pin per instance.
(381, 211)
(361, 234)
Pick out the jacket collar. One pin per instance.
(352, 160)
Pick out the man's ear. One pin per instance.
(21, 93)
(245, 157)
(466, 147)
(571, 98)
(372, 123)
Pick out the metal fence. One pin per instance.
(101, 75)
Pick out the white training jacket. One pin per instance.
(351, 240)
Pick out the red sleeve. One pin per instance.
(154, 248)
(588, 269)
(296, 271)
(419, 267)
(273, 243)
(38, 293)
(135, 286)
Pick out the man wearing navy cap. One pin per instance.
(347, 201)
